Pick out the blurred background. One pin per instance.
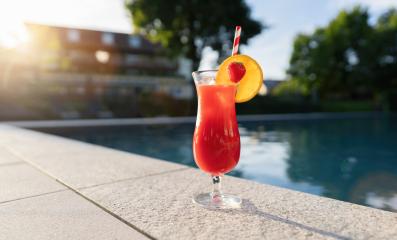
(105, 59)
(102, 59)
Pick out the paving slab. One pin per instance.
(21, 180)
(63, 215)
(162, 206)
(7, 158)
(79, 164)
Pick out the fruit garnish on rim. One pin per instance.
(243, 70)
(236, 71)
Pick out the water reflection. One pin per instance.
(351, 160)
(367, 190)
(264, 158)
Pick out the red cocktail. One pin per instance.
(216, 141)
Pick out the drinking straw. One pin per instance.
(236, 41)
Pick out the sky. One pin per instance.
(271, 49)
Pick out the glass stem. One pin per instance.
(216, 191)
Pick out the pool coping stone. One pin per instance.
(153, 197)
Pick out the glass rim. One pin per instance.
(204, 71)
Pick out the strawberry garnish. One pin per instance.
(236, 71)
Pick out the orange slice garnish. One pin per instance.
(251, 81)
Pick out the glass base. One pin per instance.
(223, 201)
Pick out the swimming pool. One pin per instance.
(352, 159)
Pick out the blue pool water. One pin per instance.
(352, 159)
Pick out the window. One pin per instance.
(108, 38)
(73, 35)
(134, 41)
(102, 56)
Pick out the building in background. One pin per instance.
(94, 65)
(270, 84)
(89, 51)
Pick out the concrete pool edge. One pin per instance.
(187, 119)
(154, 197)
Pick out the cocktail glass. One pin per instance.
(216, 141)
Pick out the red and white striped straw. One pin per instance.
(236, 41)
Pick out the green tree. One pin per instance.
(348, 58)
(385, 53)
(184, 28)
(331, 59)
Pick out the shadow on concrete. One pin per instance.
(249, 208)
